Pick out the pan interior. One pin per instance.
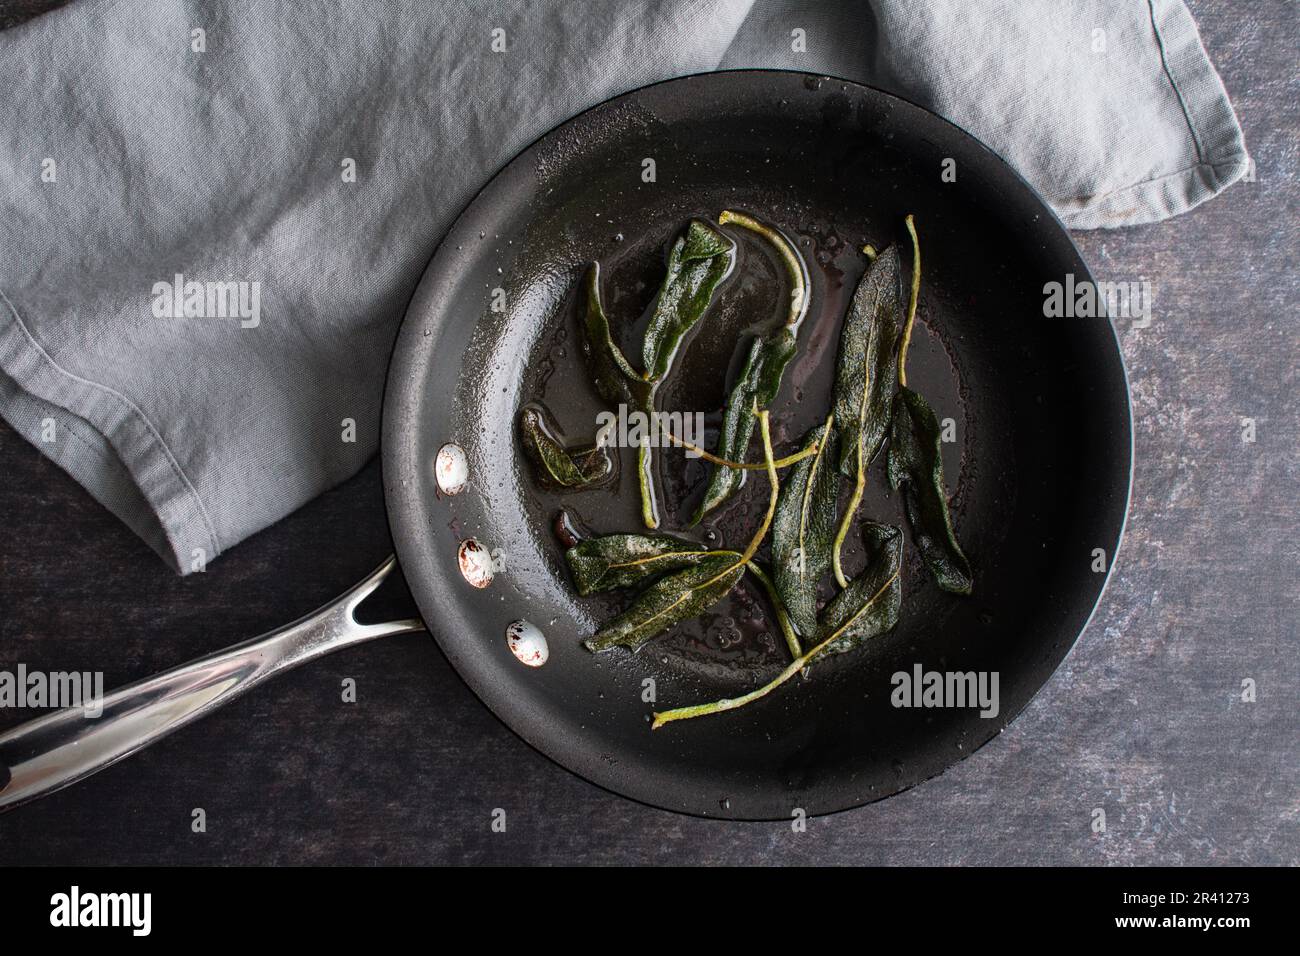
(1038, 469)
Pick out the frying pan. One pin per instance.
(1038, 469)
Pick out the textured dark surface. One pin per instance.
(1144, 720)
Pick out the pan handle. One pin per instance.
(57, 750)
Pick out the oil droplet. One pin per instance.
(527, 643)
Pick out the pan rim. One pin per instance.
(400, 385)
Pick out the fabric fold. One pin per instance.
(217, 212)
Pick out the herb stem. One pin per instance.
(645, 471)
(842, 532)
(911, 304)
(793, 263)
(859, 485)
(798, 664)
(807, 491)
(785, 462)
(667, 555)
(782, 618)
(765, 427)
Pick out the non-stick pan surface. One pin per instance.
(1038, 472)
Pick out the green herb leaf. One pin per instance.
(803, 530)
(622, 560)
(759, 381)
(867, 371)
(699, 260)
(559, 466)
(869, 605)
(865, 379)
(669, 601)
(696, 589)
(778, 607)
(616, 380)
(855, 615)
(916, 466)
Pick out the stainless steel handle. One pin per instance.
(56, 750)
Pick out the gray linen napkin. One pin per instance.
(311, 155)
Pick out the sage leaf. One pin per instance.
(693, 590)
(700, 259)
(558, 466)
(866, 376)
(803, 529)
(916, 466)
(622, 560)
(615, 379)
(866, 372)
(869, 605)
(759, 381)
(764, 579)
(760, 378)
(669, 601)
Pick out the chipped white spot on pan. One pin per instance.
(452, 469)
(527, 643)
(475, 563)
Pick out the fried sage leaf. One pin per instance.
(760, 378)
(764, 579)
(803, 530)
(622, 560)
(695, 589)
(866, 377)
(916, 466)
(669, 601)
(869, 605)
(559, 466)
(700, 259)
(859, 612)
(616, 380)
(867, 369)
(759, 381)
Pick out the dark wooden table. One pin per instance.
(1144, 720)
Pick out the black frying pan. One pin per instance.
(1039, 474)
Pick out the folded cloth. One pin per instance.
(301, 160)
